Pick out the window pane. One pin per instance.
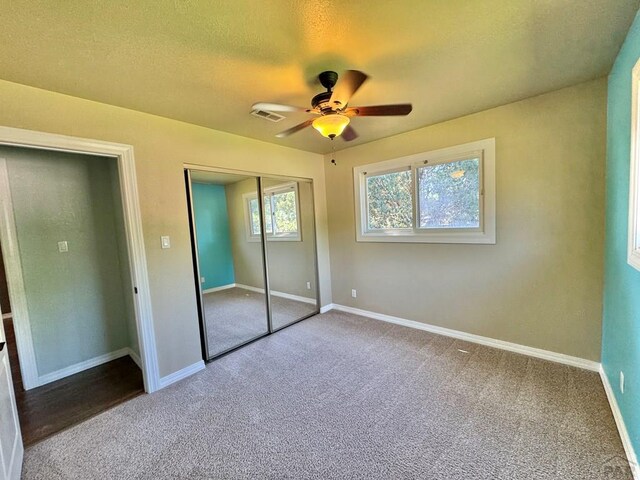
(449, 195)
(255, 217)
(267, 215)
(285, 212)
(389, 201)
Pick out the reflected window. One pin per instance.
(281, 213)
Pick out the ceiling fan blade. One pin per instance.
(295, 129)
(277, 107)
(348, 84)
(380, 110)
(349, 134)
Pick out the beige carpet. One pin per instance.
(343, 397)
(236, 315)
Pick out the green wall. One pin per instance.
(76, 301)
(621, 322)
(212, 229)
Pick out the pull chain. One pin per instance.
(333, 153)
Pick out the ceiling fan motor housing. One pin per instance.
(321, 101)
(328, 80)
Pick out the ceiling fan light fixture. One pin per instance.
(331, 125)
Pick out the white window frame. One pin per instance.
(270, 192)
(484, 234)
(633, 249)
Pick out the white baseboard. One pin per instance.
(275, 293)
(622, 428)
(250, 288)
(135, 357)
(6, 315)
(180, 374)
(297, 298)
(217, 289)
(326, 308)
(81, 366)
(469, 337)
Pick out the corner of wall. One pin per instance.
(621, 311)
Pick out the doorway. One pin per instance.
(72, 330)
(254, 253)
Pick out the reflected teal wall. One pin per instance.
(621, 323)
(212, 229)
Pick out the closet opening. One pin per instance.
(254, 254)
(70, 319)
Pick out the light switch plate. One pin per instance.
(63, 247)
(165, 241)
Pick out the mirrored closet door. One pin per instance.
(291, 249)
(254, 255)
(228, 259)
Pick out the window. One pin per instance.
(449, 194)
(633, 250)
(445, 196)
(389, 201)
(280, 213)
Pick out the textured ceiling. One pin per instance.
(206, 62)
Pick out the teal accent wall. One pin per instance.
(212, 229)
(621, 319)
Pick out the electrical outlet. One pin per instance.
(354, 294)
(63, 247)
(308, 285)
(165, 241)
(621, 382)
(201, 279)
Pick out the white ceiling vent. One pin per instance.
(273, 117)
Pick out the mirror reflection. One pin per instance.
(230, 260)
(291, 249)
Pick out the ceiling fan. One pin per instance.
(331, 107)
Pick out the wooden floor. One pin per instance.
(51, 408)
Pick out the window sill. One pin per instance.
(475, 237)
(276, 239)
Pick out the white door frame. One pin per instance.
(10, 466)
(135, 247)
